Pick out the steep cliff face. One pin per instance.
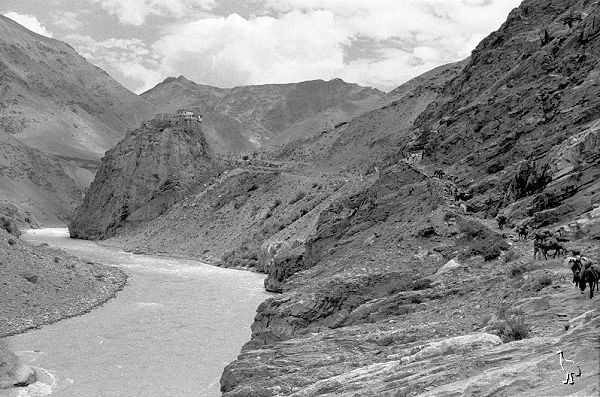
(523, 115)
(142, 177)
(246, 118)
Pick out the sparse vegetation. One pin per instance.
(512, 325)
(299, 196)
(10, 226)
(479, 240)
(543, 281)
(243, 256)
(420, 284)
(517, 270)
(511, 255)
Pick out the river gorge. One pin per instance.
(170, 332)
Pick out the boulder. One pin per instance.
(14, 373)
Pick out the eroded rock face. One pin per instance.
(142, 177)
(525, 109)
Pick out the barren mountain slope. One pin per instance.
(362, 141)
(249, 117)
(52, 99)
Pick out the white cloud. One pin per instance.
(30, 22)
(308, 39)
(135, 12)
(380, 43)
(234, 51)
(127, 60)
(67, 20)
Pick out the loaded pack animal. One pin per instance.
(589, 276)
(552, 244)
(544, 242)
(575, 265)
(584, 272)
(501, 219)
(523, 231)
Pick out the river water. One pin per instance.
(170, 332)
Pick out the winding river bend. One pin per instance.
(170, 332)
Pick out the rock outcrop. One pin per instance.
(13, 373)
(521, 119)
(147, 172)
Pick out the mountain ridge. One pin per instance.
(246, 118)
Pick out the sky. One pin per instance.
(227, 43)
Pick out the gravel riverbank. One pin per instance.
(42, 285)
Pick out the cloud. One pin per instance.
(234, 51)
(30, 22)
(379, 43)
(128, 60)
(67, 20)
(135, 12)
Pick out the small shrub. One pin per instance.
(543, 281)
(512, 325)
(277, 203)
(516, 270)
(10, 226)
(56, 259)
(12, 241)
(420, 284)
(244, 256)
(479, 240)
(511, 255)
(298, 197)
(448, 216)
(485, 320)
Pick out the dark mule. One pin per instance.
(523, 231)
(539, 249)
(552, 244)
(501, 219)
(589, 276)
(575, 266)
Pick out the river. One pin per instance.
(170, 332)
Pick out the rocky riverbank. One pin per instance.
(42, 285)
